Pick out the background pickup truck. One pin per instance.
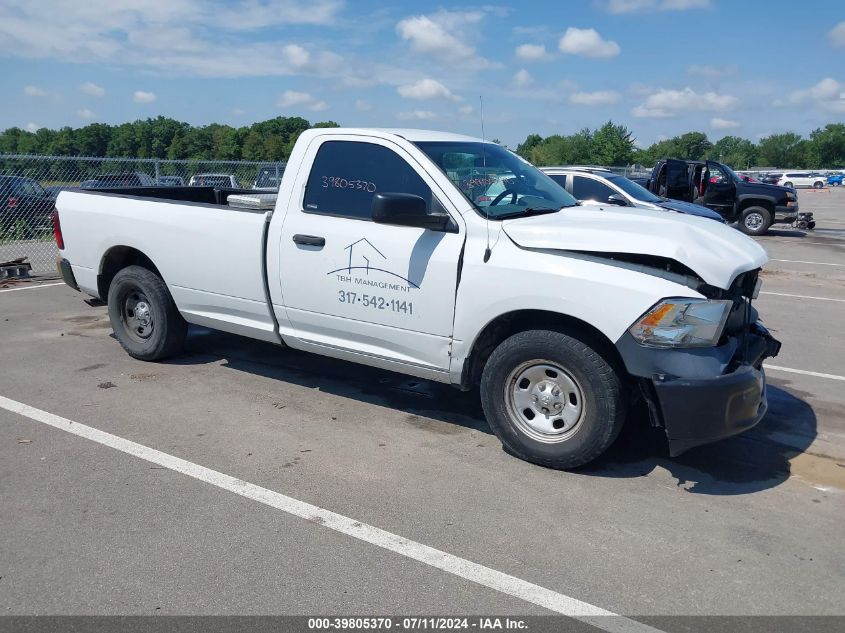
(378, 249)
(754, 206)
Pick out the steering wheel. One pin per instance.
(499, 198)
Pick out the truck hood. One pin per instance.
(763, 189)
(714, 251)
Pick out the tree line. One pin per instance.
(163, 137)
(613, 144)
(273, 140)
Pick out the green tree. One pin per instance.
(531, 141)
(782, 150)
(739, 153)
(826, 147)
(612, 145)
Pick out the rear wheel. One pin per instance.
(552, 399)
(755, 220)
(143, 315)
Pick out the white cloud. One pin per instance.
(522, 79)
(208, 39)
(294, 98)
(837, 35)
(532, 52)
(425, 89)
(86, 114)
(90, 88)
(238, 111)
(418, 115)
(631, 6)
(33, 127)
(34, 91)
(666, 103)
(599, 97)
(466, 110)
(828, 94)
(723, 124)
(363, 106)
(588, 43)
(444, 35)
(142, 96)
(714, 72)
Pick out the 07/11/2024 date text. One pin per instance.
(379, 303)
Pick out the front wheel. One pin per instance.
(818, 185)
(143, 315)
(552, 399)
(755, 220)
(787, 184)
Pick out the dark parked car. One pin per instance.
(171, 181)
(755, 206)
(123, 179)
(770, 179)
(24, 199)
(268, 178)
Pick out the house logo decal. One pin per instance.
(366, 267)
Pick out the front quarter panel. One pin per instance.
(607, 297)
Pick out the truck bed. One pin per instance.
(211, 256)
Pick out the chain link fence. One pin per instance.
(29, 186)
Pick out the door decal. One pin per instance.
(366, 266)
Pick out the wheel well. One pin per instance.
(757, 202)
(116, 259)
(509, 324)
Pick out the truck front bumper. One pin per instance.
(785, 214)
(701, 396)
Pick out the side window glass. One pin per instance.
(561, 180)
(589, 189)
(346, 175)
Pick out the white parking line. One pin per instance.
(58, 283)
(455, 565)
(804, 372)
(798, 261)
(786, 294)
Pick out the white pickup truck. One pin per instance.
(377, 250)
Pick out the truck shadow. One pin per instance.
(754, 461)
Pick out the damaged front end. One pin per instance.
(702, 394)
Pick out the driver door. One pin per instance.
(720, 191)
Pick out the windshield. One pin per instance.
(497, 182)
(634, 190)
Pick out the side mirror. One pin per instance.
(618, 199)
(405, 209)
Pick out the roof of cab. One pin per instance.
(407, 134)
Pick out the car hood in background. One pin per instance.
(690, 209)
(716, 252)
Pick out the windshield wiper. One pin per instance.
(524, 213)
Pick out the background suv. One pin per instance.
(595, 185)
(801, 179)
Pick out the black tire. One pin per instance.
(603, 404)
(787, 184)
(755, 220)
(818, 185)
(143, 315)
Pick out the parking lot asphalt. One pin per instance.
(750, 525)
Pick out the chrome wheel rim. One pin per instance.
(137, 315)
(544, 401)
(753, 221)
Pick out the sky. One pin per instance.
(660, 67)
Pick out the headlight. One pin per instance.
(791, 196)
(682, 323)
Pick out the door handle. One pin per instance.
(309, 240)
